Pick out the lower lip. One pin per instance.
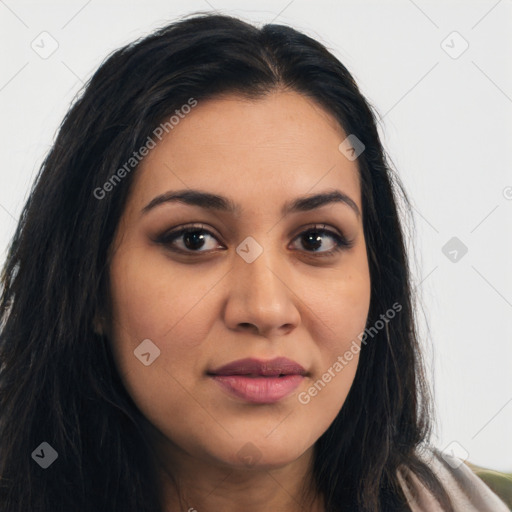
(259, 390)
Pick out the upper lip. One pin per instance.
(251, 366)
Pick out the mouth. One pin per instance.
(280, 366)
(259, 382)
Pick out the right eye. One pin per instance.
(190, 238)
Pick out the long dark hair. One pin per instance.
(58, 382)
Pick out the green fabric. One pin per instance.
(499, 483)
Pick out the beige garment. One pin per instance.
(467, 491)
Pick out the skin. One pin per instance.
(206, 310)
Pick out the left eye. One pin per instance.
(193, 238)
(313, 238)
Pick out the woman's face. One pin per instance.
(257, 282)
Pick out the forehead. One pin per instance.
(255, 151)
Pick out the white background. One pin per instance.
(446, 123)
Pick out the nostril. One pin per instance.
(248, 326)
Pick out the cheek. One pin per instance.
(151, 302)
(340, 308)
(152, 298)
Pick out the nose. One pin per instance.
(261, 297)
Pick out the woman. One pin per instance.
(207, 303)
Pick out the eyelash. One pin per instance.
(169, 237)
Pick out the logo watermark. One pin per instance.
(342, 361)
(137, 156)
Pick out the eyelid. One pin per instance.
(341, 241)
(175, 233)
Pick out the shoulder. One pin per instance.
(467, 491)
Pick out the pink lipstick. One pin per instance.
(259, 382)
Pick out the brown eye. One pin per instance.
(189, 239)
(316, 239)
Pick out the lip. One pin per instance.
(257, 367)
(257, 381)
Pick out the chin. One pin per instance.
(263, 454)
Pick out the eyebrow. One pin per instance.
(217, 202)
